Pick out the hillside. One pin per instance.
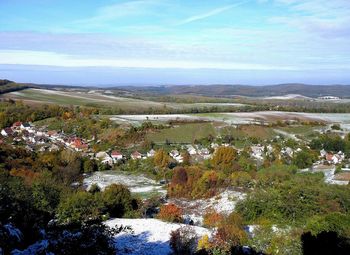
(245, 90)
(7, 86)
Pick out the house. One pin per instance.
(191, 150)
(25, 126)
(6, 132)
(78, 144)
(101, 155)
(323, 153)
(52, 133)
(53, 147)
(116, 155)
(151, 153)
(136, 155)
(287, 152)
(174, 153)
(17, 125)
(205, 153)
(257, 152)
(107, 160)
(214, 145)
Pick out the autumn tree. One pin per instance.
(223, 157)
(171, 213)
(161, 160)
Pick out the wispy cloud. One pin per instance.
(115, 11)
(322, 17)
(209, 13)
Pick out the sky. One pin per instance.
(163, 42)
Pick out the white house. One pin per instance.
(136, 155)
(191, 150)
(116, 155)
(6, 132)
(151, 153)
(26, 126)
(101, 155)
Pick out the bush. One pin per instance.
(183, 241)
(171, 213)
(117, 200)
(230, 233)
(241, 179)
(79, 207)
(212, 219)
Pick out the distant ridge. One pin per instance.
(246, 90)
(279, 90)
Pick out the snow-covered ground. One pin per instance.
(149, 236)
(288, 97)
(224, 203)
(136, 183)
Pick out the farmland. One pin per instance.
(101, 99)
(186, 133)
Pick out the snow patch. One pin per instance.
(136, 183)
(148, 237)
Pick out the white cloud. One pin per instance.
(22, 57)
(210, 13)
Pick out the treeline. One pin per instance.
(7, 86)
(12, 111)
(40, 205)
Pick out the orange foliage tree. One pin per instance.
(171, 213)
(224, 157)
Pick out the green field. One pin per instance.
(245, 131)
(100, 99)
(304, 131)
(185, 133)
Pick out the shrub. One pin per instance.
(179, 176)
(241, 179)
(117, 200)
(203, 243)
(230, 233)
(171, 213)
(183, 241)
(79, 207)
(212, 219)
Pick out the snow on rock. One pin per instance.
(136, 183)
(36, 248)
(148, 237)
(224, 203)
(13, 231)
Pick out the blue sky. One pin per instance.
(175, 42)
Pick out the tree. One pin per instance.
(90, 166)
(80, 207)
(223, 157)
(161, 158)
(183, 241)
(303, 158)
(118, 201)
(179, 177)
(171, 213)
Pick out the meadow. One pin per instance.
(184, 133)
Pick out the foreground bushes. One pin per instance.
(171, 213)
(115, 201)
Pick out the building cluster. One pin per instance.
(41, 139)
(331, 158)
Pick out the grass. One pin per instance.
(100, 100)
(244, 131)
(305, 131)
(81, 99)
(185, 133)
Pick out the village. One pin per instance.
(334, 165)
